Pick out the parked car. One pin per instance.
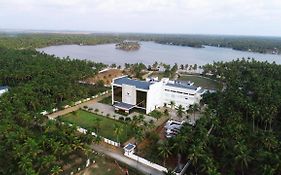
(172, 128)
(174, 131)
(170, 123)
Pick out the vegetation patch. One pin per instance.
(202, 81)
(156, 114)
(103, 126)
(106, 100)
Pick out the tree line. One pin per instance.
(245, 43)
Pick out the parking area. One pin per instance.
(171, 130)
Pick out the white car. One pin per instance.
(172, 131)
(172, 123)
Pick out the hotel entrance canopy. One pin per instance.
(124, 106)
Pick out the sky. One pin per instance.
(232, 17)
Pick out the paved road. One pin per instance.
(74, 108)
(117, 155)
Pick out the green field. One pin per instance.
(201, 81)
(106, 129)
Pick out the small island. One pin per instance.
(128, 45)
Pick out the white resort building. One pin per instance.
(148, 95)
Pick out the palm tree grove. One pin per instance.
(238, 133)
(151, 87)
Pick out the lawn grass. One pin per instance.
(88, 120)
(201, 81)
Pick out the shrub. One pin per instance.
(85, 107)
(128, 119)
(121, 118)
(107, 115)
(96, 110)
(156, 114)
(166, 112)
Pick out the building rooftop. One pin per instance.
(201, 90)
(137, 83)
(129, 147)
(182, 85)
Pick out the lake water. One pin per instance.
(151, 52)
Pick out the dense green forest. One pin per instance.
(240, 130)
(23, 41)
(244, 43)
(29, 144)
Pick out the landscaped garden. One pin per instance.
(202, 81)
(103, 126)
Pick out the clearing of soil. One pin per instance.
(106, 76)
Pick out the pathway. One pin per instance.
(118, 155)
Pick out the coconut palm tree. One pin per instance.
(172, 104)
(25, 163)
(180, 111)
(179, 146)
(97, 139)
(56, 170)
(139, 134)
(165, 150)
(243, 157)
(118, 129)
(98, 123)
(195, 152)
(47, 161)
(194, 108)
